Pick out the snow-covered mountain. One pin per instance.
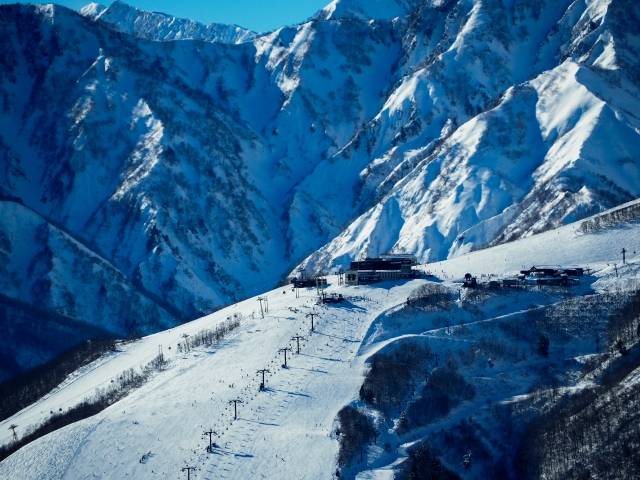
(92, 10)
(502, 128)
(369, 9)
(162, 27)
(462, 376)
(56, 292)
(204, 171)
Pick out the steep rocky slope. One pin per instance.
(546, 131)
(56, 292)
(203, 172)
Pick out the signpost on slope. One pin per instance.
(13, 427)
(210, 433)
(235, 402)
(263, 371)
(285, 350)
(262, 299)
(188, 470)
(312, 315)
(297, 338)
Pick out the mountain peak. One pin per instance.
(367, 9)
(92, 10)
(159, 26)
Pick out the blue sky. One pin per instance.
(259, 15)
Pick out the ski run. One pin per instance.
(289, 429)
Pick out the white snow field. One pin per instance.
(286, 431)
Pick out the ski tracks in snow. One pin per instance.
(285, 412)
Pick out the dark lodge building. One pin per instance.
(385, 267)
(551, 275)
(310, 282)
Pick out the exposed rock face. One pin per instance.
(202, 171)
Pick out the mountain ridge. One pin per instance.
(206, 171)
(162, 27)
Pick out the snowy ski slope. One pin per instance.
(285, 432)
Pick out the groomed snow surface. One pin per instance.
(286, 431)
